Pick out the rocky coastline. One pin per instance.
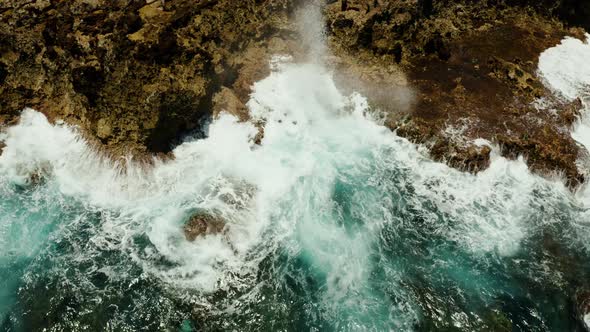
(138, 76)
(135, 76)
(457, 77)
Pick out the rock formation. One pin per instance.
(137, 76)
(134, 75)
(202, 224)
(473, 67)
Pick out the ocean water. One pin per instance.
(334, 223)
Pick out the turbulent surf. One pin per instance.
(332, 222)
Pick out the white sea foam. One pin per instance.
(565, 69)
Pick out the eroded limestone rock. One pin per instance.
(134, 75)
(472, 69)
(202, 224)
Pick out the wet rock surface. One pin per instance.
(473, 69)
(583, 308)
(202, 224)
(137, 76)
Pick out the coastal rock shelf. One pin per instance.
(139, 76)
(294, 165)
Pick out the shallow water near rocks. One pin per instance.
(348, 227)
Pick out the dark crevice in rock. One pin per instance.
(425, 7)
(3, 73)
(178, 112)
(88, 81)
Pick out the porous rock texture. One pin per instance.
(472, 66)
(203, 224)
(135, 76)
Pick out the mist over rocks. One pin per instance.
(331, 221)
(473, 69)
(137, 76)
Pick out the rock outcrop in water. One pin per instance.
(473, 66)
(138, 75)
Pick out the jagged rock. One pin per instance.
(134, 75)
(202, 224)
(473, 68)
(2, 146)
(520, 78)
(154, 19)
(583, 308)
(470, 158)
(137, 75)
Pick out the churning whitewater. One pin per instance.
(333, 223)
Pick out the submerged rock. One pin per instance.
(235, 194)
(202, 224)
(136, 76)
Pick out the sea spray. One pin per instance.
(565, 70)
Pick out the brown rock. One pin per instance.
(473, 70)
(226, 101)
(470, 158)
(203, 224)
(134, 76)
(384, 85)
(583, 308)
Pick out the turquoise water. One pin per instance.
(334, 224)
(374, 255)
